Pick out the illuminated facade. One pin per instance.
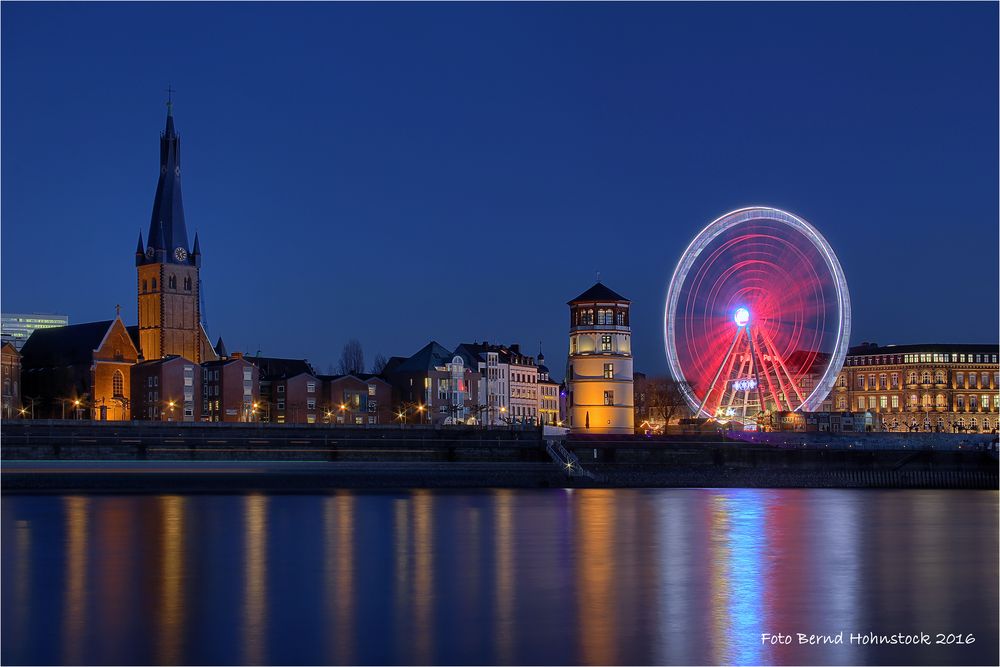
(599, 368)
(937, 387)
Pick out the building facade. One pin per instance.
(16, 328)
(359, 399)
(230, 390)
(435, 386)
(10, 371)
(548, 396)
(933, 387)
(599, 368)
(167, 389)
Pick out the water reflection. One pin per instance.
(255, 580)
(171, 623)
(338, 514)
(497, 577)
(596, 549)
(423, 578)
(75, 606)
(504, 593)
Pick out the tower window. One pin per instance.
(118, 384)
(172, 282)
(154, 283)
(144, 285)
(605, 343)
(609, 371)
(187, 283)
(609, 398)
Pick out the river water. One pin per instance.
(684, 576)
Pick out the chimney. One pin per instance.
(236, 355)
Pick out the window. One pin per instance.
(871, 381)
(620, 320)
(913, 378)
(913, 401)
(359, 420)
(881, 381)
(842, 403)
(985, 401)
(985, 381)
(609, 398)
(894, 380)
(154, 283)
(118, 384)
(883, 402)
(310, 419)
(960, 379)
(149, 381)
(371, 389)
(172, 282)
(871, 402)
(939, 401)
(281, 404)
(895, 402)
(939, 377)
(960, 402)
(310, 387)
(861, 381)
(926, 399)
(972, 380)
(281, 389)
(925, 377)
(609, 371)
(973, 402)
(843, 381)
(144, 287)
(310, 404)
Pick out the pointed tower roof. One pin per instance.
(139, 248)
(599, 292)
(167, 231)
(220, 348)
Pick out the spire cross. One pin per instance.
(170, 98)
(118, 310)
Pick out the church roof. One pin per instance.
(599, 292)
(69, 345)
(166, 226)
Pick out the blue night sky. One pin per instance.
(402, 173)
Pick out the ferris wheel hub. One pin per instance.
(742, 317)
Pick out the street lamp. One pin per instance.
(420, 409)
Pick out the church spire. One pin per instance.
(167, 233)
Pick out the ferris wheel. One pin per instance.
(758, 316)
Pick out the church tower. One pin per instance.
(168, 281)
(599, 370)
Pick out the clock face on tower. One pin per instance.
(180, 254)
(150, 252)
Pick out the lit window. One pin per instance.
(371, 389)
(311, 404)
(883, 402)
(609, 398)
(609, 371)
(118, 384)
(895, 402)
(871, 402)
(861, 402)
(310, 387)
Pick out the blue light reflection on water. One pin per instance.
(553, 577)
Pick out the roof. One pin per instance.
(363, 377)
(874, 349)
(167, 230)
(220, 348)
(64, 346)
(600, 292)
(429, 356)
(274, 367)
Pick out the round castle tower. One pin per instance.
(599, 368)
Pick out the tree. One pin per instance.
(659, 400)
(379, 364)
(352, 358)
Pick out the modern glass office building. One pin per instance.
(17, 327)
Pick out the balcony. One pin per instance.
(926, 385)
(912, 385)
(940, 385)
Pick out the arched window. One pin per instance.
(960, 380)
(939, 377)
(118, 384)
(913, 378)
(940, 401)
(973, 425)
(154, 283)
(843, 381)
(144, 285)
(925, 378)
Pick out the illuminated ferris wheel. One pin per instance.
(758, 316)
